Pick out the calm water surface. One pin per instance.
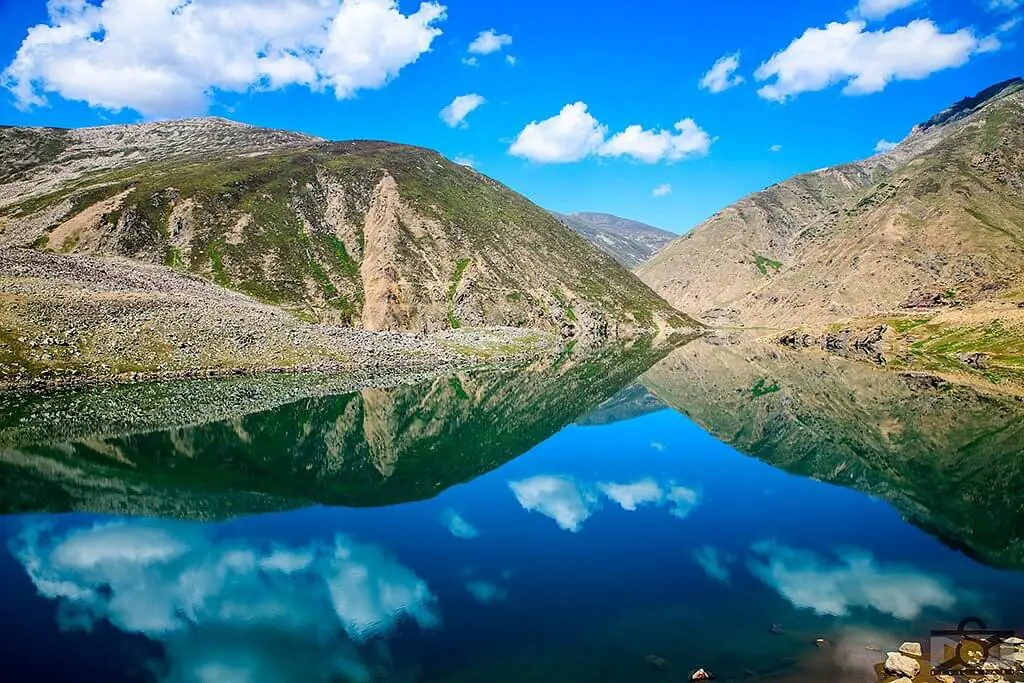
(501, 526)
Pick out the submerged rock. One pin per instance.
(701, 675)
(659, 663)
(911, 648)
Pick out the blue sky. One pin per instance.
(822, 82)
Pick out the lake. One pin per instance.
(621, 515)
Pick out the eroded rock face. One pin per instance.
(363, 234)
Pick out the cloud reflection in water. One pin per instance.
(569, 503)
(227, 610)
(809, 581)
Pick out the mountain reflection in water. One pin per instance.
(530, 525)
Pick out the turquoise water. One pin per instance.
(635, 548)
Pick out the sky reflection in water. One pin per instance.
(598, 547)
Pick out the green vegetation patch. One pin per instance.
(763, 388)
(763, 263)
(453, 286)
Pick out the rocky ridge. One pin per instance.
(629, 242)
(941, 213)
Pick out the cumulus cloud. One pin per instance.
(458, 526)
(462, 106)
(662, 190)
(489, 41)
(486, 592)
(571, 135)
(631, 496)
(856, 580)
(652, 146)
(883, 146)
(169, 57)
(227, 606)
(558, 498)
(574, 134)
(866, 61)
(713, 562)
(880, 9)
(722, 74)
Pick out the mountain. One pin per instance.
(210, 450)
(372, 235)
(936, 223)
(629, 242)
(947, 456)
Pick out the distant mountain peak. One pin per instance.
(629, 242)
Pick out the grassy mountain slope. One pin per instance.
(629, 242)
(365, 234)
(938, 219)
(947, 456)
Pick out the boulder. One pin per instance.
(913, 649)
(701, 675)
(900, 664)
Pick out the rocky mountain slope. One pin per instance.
(369, 235)
(938, 222)
(629, 242)
(69, 319)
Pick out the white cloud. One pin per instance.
(722, 74)
(458, 526)
(856, 581)
(462, 106)
(486, 592)
(1008, 25)
(657, 445)
(510, 59)
(651, 146)
(468, 162)
(662, 190)
(558, 498)
(866, 61)
(574, 134)
(880, 9)
(775, 148)
(883, 146)
(489, 41)
(219, 605)
(713, 562)
(631, 496)
(169, 57)
(471, 61)
(1004, 5)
